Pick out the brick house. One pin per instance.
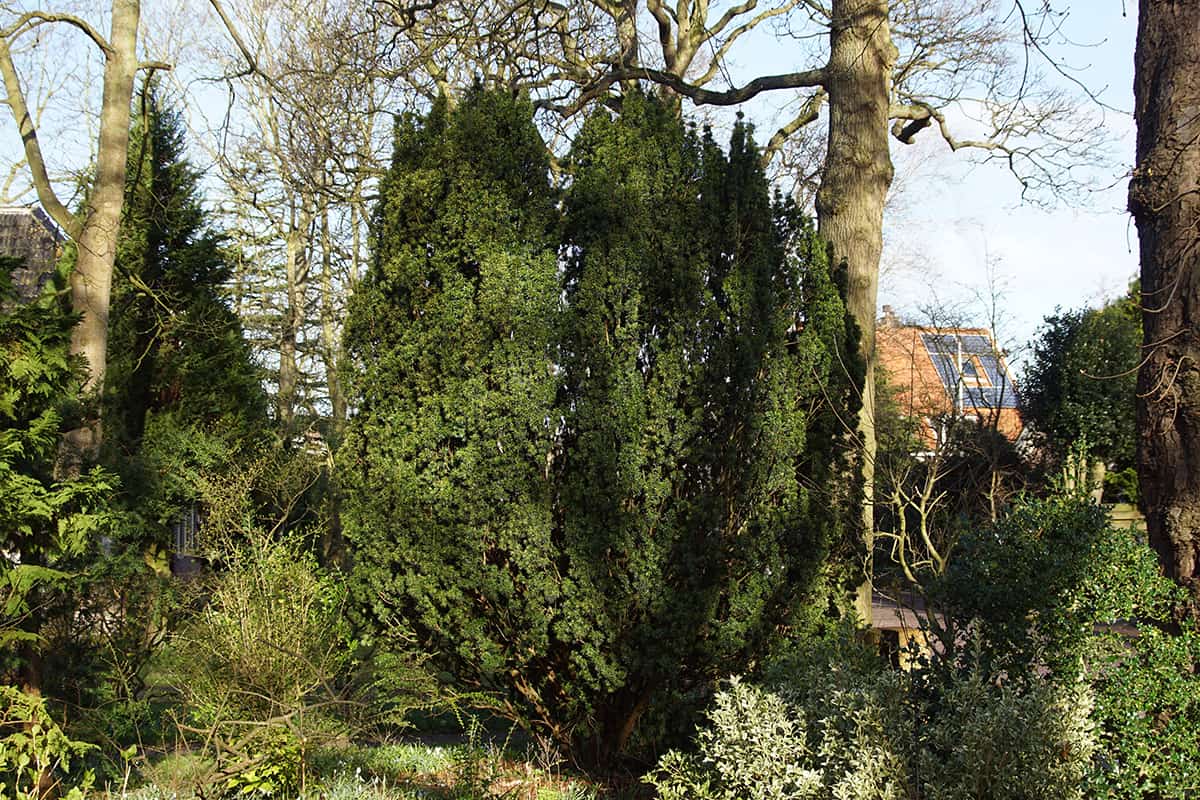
(943, 373)
(939, 375)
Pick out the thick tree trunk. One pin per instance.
(91, 283)
(1164, 198)
(854, 185)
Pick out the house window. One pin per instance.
(973, 373)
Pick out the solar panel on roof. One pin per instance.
(945, 350)
(976, 345)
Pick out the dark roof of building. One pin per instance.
(28, 234)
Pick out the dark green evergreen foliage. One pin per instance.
(46, 520)
(448, 514)
(181, 391)
(1052, 593)
(588, 490)
(174, 344)
(698, 319)
(1081, 385)
(181, 396)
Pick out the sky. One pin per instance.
(982, 241)
(960, 239)
(1041, 258)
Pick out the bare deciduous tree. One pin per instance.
(298, 152)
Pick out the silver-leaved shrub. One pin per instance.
(841, 725)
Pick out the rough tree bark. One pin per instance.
(1164, 198)
(854, 186)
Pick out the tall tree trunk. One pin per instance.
(333, 546)
(96, 234)
(854, 185)
(91, 283)
(331, 344)
(1164, 198)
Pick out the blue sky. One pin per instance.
(1066, 256)
(1069, 255)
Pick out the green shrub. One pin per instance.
(754, 746)
(838, 723)
(984, 740)
(261, 669)
(583, 466)
(277, 768)
(1148, 715)
(267, 668)
(1054, 592)
(36, 758)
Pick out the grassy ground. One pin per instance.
(408, 771)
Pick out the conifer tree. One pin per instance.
(448, 514)
(175, 346)
(586, 483)
(691, 366)
(182, 390)
(181, 393)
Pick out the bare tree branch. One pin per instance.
(729, 97)
(808, 114)
(31, 19)
(33, 149)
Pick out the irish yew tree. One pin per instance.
(448, 513)
(891, 69)
(593, 477)
(691, 367)
(1164, 198)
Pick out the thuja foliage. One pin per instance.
(36, 758)
(584, 467)
(47, 519)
